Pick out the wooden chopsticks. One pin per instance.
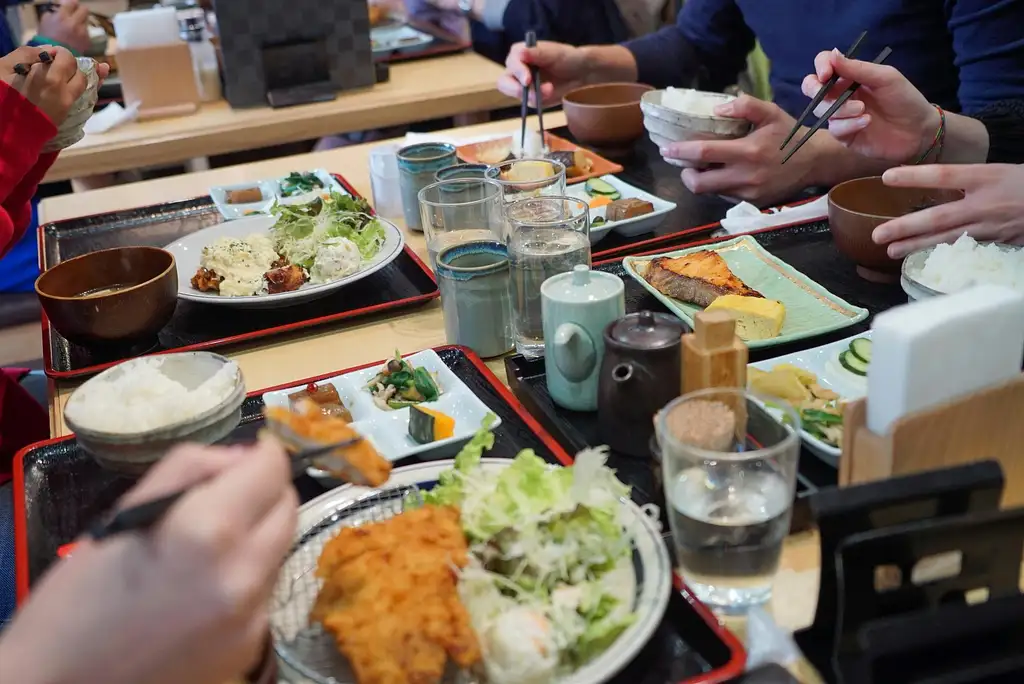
(840, 101)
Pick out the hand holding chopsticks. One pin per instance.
(840, 101)
(531, 42)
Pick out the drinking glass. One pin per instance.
(550, 185)
(729, 499)
(546, 236)
(460, 210)
(384, 185)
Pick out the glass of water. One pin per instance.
(460, 210)
(546, 236)
(729, 471)
(524, 178)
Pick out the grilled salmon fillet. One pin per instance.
(697, 278)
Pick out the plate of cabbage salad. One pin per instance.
(568, 578)
(324, 244)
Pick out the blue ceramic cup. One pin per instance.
(475, 298)
(455, 171)
(417, 165)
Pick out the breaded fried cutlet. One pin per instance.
(359, 464)
(697, 278)
(389, 597)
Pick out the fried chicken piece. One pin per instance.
(359, 464)
(284, 279)
(206, 280)
(280, 263)
(390, 599)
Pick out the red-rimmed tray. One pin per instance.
(59, 490)
(406, 282)
(475, 153)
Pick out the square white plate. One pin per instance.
(397, 37)
(271, 188)
(630, 227)
(388, 431)
(823, 361)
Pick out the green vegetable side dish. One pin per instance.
(304, 230)
(548, 548)
(399, 384)
(857, 357)
(296, 183)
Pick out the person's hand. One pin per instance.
(53, 82)
(887, 118)
(749, 168)
(186, 601)
(992, 209)
(69, 24)
(562, 68)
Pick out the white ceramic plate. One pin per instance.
(397, 37)
(630, 227)
(271, 189)
(650, 579)
(388, 431)
(188, 253)
(823, 361)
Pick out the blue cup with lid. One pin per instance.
(576, 307)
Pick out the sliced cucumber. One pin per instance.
(596, 186)
(853, 363)
(861, 348)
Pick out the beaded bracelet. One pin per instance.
(939, 141)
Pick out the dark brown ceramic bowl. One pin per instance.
(857, 207)
(135, 313)
(607, 116)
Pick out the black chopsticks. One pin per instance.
(850, 54)
(840, 101)
(145, 515)
(531, 41)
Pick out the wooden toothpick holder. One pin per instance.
(715, 357)
(984, 425)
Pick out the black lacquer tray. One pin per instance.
(195, 326)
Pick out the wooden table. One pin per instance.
(322, 350)
(417, 91)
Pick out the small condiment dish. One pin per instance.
(666, 125)
(134, 452)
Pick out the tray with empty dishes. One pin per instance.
(196, 324)
(60, 490)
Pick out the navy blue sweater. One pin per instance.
(962, 54)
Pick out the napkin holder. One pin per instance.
(979, 426)
(903, 561)
(160, 79)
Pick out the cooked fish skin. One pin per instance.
(284, 279)
(206, 280)
(697, 278)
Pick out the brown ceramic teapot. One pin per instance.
(639, 375)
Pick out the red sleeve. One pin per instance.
(24, 129)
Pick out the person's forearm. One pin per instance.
(835, 163)
(609, 63)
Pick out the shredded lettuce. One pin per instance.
(302, 229)
(545, 539)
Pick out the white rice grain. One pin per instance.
(965, 263)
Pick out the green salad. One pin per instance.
(330, 238)
(550, 583)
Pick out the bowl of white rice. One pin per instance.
(129, 416)
(948, 268)
(681, 114)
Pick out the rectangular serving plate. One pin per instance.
(811, 310)
(405, 283)
(600, 165)
(628, 227)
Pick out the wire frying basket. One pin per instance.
(306, 651)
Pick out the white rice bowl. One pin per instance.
(153, 393)
(951, 268)
(694, 102)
